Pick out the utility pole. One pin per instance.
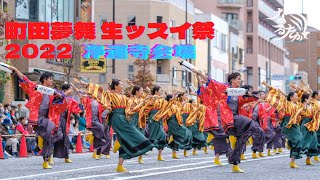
(186, 72)
(113, 40)
(269, 67)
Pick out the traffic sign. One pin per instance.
(279, 77)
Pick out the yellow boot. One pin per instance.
(185, 153)
(233, 141)
(217, 162)
(95, 156)
(66, 160)
(288, 147)
(116, 146)
(236, 169)
(212, 148)
(275, 151)
(205, 150)
(210, 137)
(293, 165)
(40, 142)
(121, 169)
(261, 154)
(309, 162)
(316, 158)
(251, 140)
(269, 153)
(170, 139)
(140, 161)
(160, 158)
(254, 155)
(46, 165)
(280, 150)
(51, 162)
(108, 156)
(194, 152)
(242, 157)
(174, 155)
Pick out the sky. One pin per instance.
(310, 7)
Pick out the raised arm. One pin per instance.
(20, 75)
(203, 76)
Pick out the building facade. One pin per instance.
(229, 26)
(168, 73)
(306, 54)
(43, 11)
(264, 55)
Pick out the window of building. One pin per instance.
(19, 94)
(3, 6)
(131, 72)
(173, 24)
(188, 36)
(223, 42)
(44, 10)
(159, 70)
(65, 11)
(319, 61)
(241, 56)
(229, 16)
(174, 72)
(218, 45)
(130, 68)
(131, 20)
(159, 19)
(183, 79)
(60, 10)
(214, 41)
(102, 78)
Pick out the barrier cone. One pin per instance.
(1, 149)
(91, 148)
(23, 147)
(79, 144)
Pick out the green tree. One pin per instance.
(4, 77)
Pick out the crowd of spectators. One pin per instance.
(14, 123)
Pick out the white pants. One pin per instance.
(13, 142)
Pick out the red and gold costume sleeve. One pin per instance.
(56, 105)
(170, 110)
(211, 114)
(73, 108)
(313, 125)
(87, 103)
(247, 109)
(242, 100)
(218, 93)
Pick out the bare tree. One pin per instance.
(144, 78)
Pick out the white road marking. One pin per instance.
(102, 166)
(189, 169)
(167, 167)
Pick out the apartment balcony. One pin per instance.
(235, 23)
(266, 9)
(230, 3)
(163, 78)
(280, 2)
(249, 27)
(250, 3)
(267, 34)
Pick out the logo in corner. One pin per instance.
(294, 26)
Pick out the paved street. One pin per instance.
(193, 167)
